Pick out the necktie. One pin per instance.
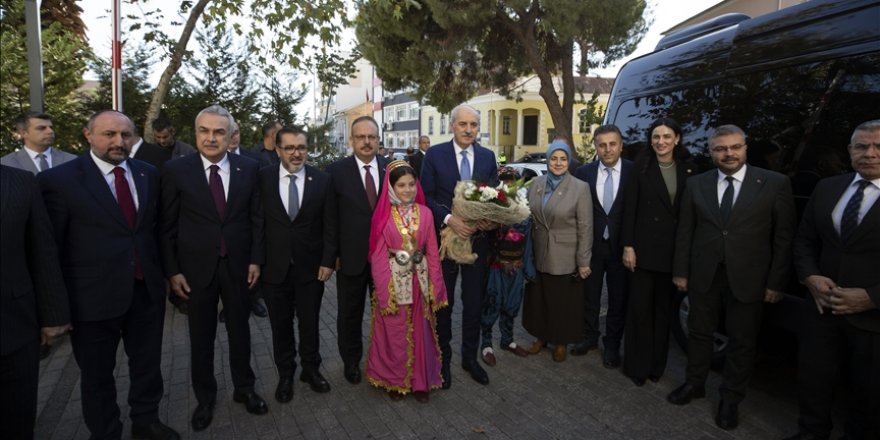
(44, 164)
(465, 168)
(850, 218)
(216, 184)
(608, 196)
(370, 187)
(292, 197)
(727, 200)
(126, 204)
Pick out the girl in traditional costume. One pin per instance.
(404, 355)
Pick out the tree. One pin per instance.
(65, 55)
(136, 90)
(449, 49)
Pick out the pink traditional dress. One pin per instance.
(404, 354)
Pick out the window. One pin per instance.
(401, 113)
(505, 125)
(442, 124)
(430, 125)
(413, 112)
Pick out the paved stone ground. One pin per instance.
(532, 398)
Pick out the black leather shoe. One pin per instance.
(446, 374)
(259, 308)
(653, 378)
(477, 372)
(728, 415)
(252, 402)
(638, 381)
(353, 374)
(284, 390)
(202, 416)
(611, 359)
(154, 431)
(683, 394)
(802, 436)
(582, 348)
(316, 382)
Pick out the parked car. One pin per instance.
(529, 170)
(798, 81)
(533, 158)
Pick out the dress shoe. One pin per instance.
(395, 396)
(728, 415)
(221, 316)
(638, 381)
(537, 346)
(353, 374)
(478, 374)
(683, 394)
(802, 436)
(202, 416)
(154, 431)
(421, 396)
(259, 308)
(316, 381)
(446, 374)
(611, 358)
(489, 357)
(284, 391)
(582, 348)
(515, 349)
(252, 402)
(653, 378)
(559, 353)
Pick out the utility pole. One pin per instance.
(34, 53)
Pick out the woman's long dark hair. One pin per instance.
(647, 158)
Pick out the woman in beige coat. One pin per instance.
(562, 230)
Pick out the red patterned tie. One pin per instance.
(126, 204)
(219, 201)
(370, 186)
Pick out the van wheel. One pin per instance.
(679, 324)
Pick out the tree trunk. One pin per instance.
(173, 66)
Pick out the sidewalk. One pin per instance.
(532, 398)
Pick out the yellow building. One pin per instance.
(523, 126)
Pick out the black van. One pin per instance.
(798, 81)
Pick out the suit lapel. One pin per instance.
(561, 191)
(660, 189)
(25, 161)
(142, 187)
(751, 186)
(94, 183)
(275, 204)
(708, 187)
(593, 181)
(357, 184)
(6, 191)
(235, 185)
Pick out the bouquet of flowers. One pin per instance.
(472, 201)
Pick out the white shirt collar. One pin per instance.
(107, 167)
(617, 166)
(282, 173)
(33, 154)
(739, 176)
(459, 149)
(858, 177)
(223, 164)
(373, 163)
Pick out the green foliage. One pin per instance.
(137, 64)
(64, 60)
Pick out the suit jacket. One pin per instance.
(614, 218)
(755, 244)
(562, 230)
(181, 149)
(650, 219)
(153, 154)
(32, 293)
(306, 242)
(415, 161)
(818, 249)
(96, 244)
(192, 228)
(21, 160)
(440, 174)
(352, 213)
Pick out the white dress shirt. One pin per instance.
(871, 194)
(738, 178)
(284, 185)
(107, 172)
(374, 171)
(600, 181)
(33, 155)
(223, 171)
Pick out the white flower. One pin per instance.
(488, 193)
(469, 191)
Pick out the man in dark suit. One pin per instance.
(37, 135)
(298, 211)
(356, 182)
(212, 248)
(607, 178)
(166, 137)
(104, 209)
(33, 301)
(444, 166)
(732, 254)
(835, 255)
(266, 150)
(415, 160)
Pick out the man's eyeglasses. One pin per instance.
(291, 148)
(365, 137)
(725, 148)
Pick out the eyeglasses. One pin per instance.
(725, 148)
(291, 148)
(365, 137)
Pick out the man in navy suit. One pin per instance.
(212, 248)
(835, 255)
(298, 212)
(607, 178)
(356, 182)
(445, 165)
(104, 209)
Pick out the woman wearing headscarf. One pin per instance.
(404, 355)
(562, 234)
(648, 235)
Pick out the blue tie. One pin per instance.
(465, 167)
(44, 164)
(292, 198)
(608, 197)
